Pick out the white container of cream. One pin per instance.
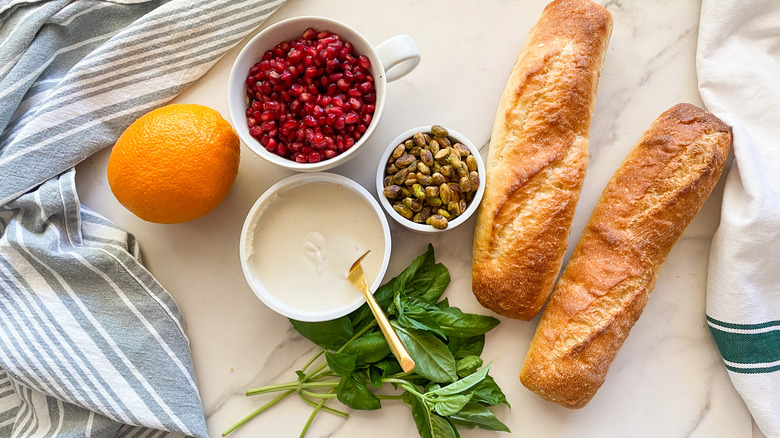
(300, 238)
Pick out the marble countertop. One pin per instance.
(668, 379)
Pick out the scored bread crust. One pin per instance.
(642, 213)
(537, 158)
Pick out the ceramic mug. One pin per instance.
(390, 60)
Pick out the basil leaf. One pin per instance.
(375, 376)
(439, 279)
(467, 365)
(341, 363)
(330, 335)
(353, 392)
(429, 425)
(461, 385)
(416, 317)
(454, 322)
(451, 404)
(432, 358)
(474, 414)
(443, 304)
(369, 348)
(462, 347)
(488, 392)
(389, 367)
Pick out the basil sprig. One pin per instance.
(449, 387)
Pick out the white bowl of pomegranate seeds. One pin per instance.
(307, 92)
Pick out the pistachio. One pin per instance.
(438, 221)
(434, 146)
(445, 193)
(400, 176)
(423, 215)
(444, 213)
(413, 204)
(439, 131)
(462, 169)
(444, 142)
(454, 208)
(387, 181)
(455, 152)
(474, 180)
(434, 202)
(404, 160)
(430, 191)
(398, 151)
(471, 163)
(416, 151)
(453, 159)
(408, 144)
(426, 156)
(427, 138)
(402, 210)
(392, 192)
(447, 171)
(442, 155)
(425, 180)
(419, 139)
(438, 178)
(423, 168)
(391, 169)
(462, 149)
(436, 167)
(463, 205)
(410, 181)
(418, 191)
(405, 192)
(465, 184)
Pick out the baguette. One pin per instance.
(641, 214)
(537, 159)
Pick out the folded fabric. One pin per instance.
(738, 65)
(90, 343)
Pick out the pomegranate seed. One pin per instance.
(255, 131)
(364, 62)
(309, 34)
(310, 121)
(294, 56)
(355, 104)
(250, 122)
(301, 158)
(351, 118)
(296, 89)
(337, 101)
(342, 84)
(267, 116)
(281, 149)
(369, 109)
(314, 157)
(306, 97)
(334, 110)
(324, 34)
(354, 92)
(329, 153)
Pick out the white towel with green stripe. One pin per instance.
(738, 65)
(91, 345)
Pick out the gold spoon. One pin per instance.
(358, 279)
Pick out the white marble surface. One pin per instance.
(668, 379)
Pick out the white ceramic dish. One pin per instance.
(454, 137)
(390, 60)
(262, 222)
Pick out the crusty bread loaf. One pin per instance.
(641, 214)
(537, 159)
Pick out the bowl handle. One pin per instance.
(399, 56)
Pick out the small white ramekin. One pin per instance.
(455, 137)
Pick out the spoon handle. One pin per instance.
(396, 346)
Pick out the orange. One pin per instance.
(174, 164)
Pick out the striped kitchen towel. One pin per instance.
(738, 65)
(91, 345)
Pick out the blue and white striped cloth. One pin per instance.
(91, 345)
